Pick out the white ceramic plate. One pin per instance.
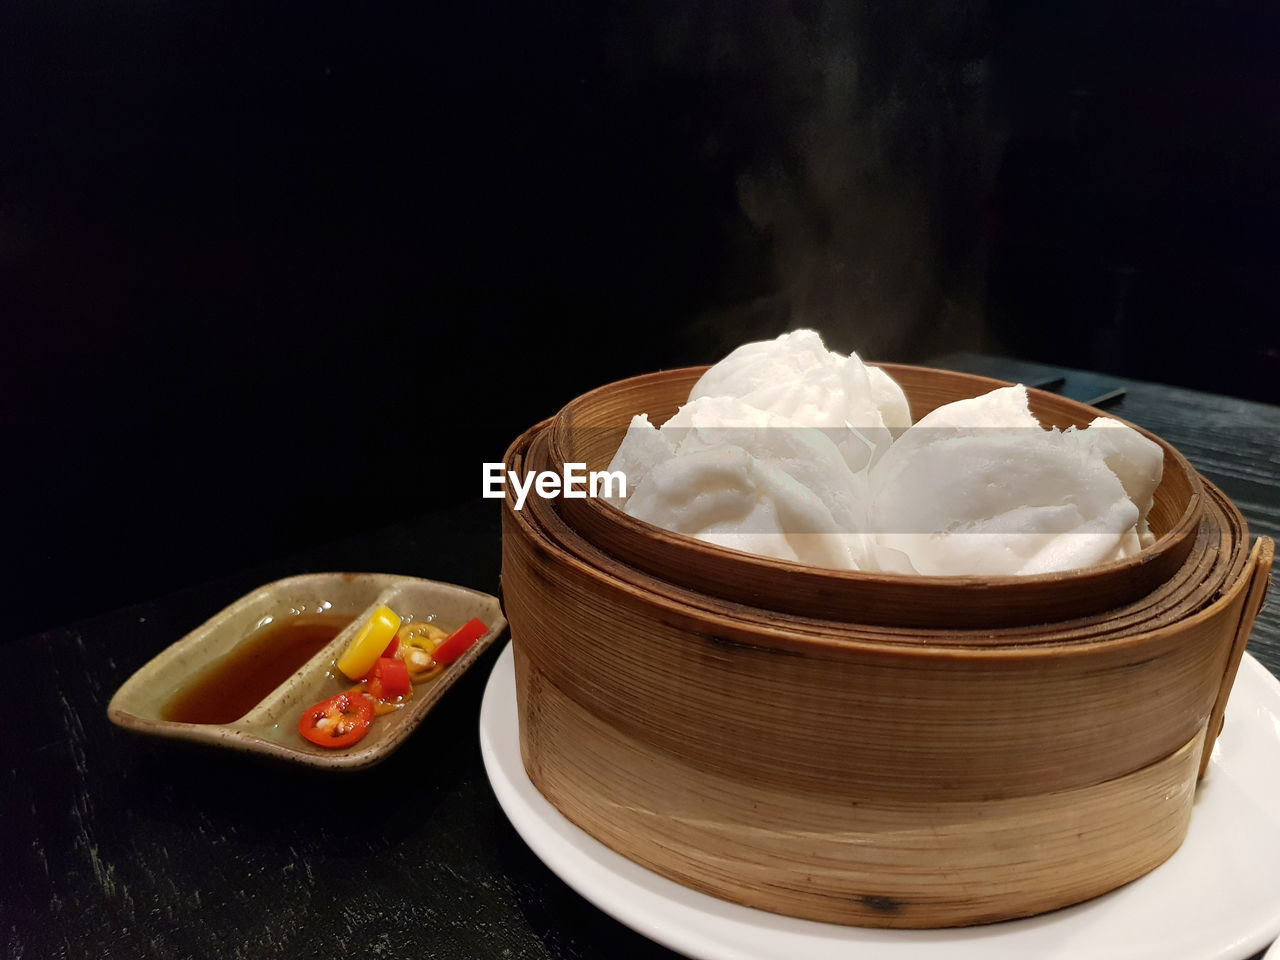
(1217, 898)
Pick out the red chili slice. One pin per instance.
(458, 642)
(393, 677)
(347, 719)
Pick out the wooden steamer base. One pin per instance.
(884, 774)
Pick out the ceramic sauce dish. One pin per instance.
(328, 606)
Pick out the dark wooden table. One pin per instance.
(115, 846)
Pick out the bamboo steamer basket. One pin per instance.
(908, 768)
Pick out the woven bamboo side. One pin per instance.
(1259, 580)
(749, 698)
(845, 859)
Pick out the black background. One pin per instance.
(273, 273)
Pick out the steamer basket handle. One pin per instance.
(1260, 576)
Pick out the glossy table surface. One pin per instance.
(120, 846)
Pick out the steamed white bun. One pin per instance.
(978, 487)
(729, 473)
(859, 407)
(1135, 460)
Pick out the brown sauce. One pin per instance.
(239, 680)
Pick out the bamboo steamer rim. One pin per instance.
(789, 632)
(1023, 599)
(1188, 583)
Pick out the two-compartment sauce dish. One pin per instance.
(244, 679)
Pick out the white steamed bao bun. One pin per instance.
(729, 473)
(978, 487)
(1136, 461)
(795, 375)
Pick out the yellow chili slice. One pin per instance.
(369, 642)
